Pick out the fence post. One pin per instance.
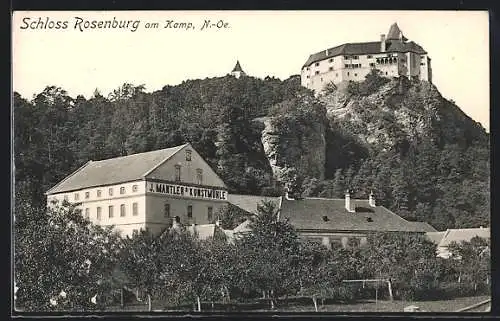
(149, 302)
(389, 286)
(122, 301)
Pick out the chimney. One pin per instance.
(371, 200)
(287, 197)
(382, 43)
(326, 52)
(348, 205)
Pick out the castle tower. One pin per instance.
(395, 33)
(237, 71)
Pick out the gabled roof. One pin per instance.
(435, 237)
(249, 202)
(237, 67)
(363, 48)
(330, 214)
(466, 234)
(426, 227)
(114, 170)
(205, 231)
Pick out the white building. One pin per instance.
(145, 191)
(393, 55)
(445, 238)
(237, 71)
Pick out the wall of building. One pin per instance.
(335, 239)
(188, 168)
(103, 197)
(158, 217)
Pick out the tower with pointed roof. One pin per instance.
(394, 56)
(237, 71)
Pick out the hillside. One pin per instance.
(422, 156)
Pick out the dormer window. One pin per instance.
(188, 155)
(199, 176)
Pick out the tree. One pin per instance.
(62, 260)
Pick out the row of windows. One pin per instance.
(166, 211)
(76, 196)
(352, 58)
(353, 66)
(123, 211)
(199, 174)
(390, 60)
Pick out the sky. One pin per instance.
(267, 43)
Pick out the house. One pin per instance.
(393, 55)
(338, 222)
(445, 238)
(237, 71)
(145, 190)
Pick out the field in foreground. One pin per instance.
(305, 305)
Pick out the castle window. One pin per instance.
(347, 73)
(355, 57)
(346, 57)
(321, 79)
(134, 188)
(122, 210)
(372, 64)
(422, 64)
(77, 196)
(122, 190)
(331, 60)
(307, 68)
(307, 77)
(190, 211)
(316, 64)
(87, 213)
(99, 213)
(355, 75)
(331, 68)
(110, 211)
(369, 56)
(110, 191)
(166, 210)
(98, 193)
(317, 72)
(210, 213)
(386, 72)
(346, 66)
(337, 74)
(188, 155)
(199, 176)
(87, 195)
(135, 209)
(177, 173)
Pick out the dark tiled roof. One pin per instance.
(237, 67)
(310, 214)
(394, 32)
(249, 202)
(363, 48)
(114, 170)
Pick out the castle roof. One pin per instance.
(114, 170)
(322, 214)
(394, 32)
(363, 48)
(237, 67)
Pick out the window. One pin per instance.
(166, 210)
(135, 209)
(422, 64)
(331, 60)
(210, 212)
(190, 211)
(355, 57)
(346, 65)
(370, 56)
(346, 57)
(110, 211)
(177, 173)
(386, 72)
(98, 193)
(99, 213)
(135, 188)
(372, 64)
(87, 213)
(337, 74)
(331, 68)
(316, 64)
(347, 73)
(316, 72)
(77, 196)
(355, 75)
(122, 210)
(122, 190)
(87, 195)
(321, 79)
(188, 155)
(199, 176)
(66, 197)
(307, 77)
(110, 191)
(307, 68)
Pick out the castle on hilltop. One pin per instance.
(393, 55)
